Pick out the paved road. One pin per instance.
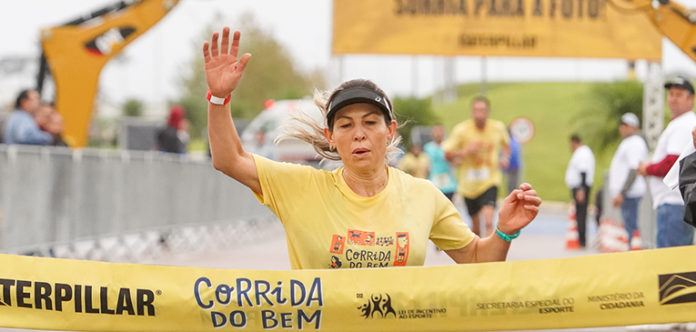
(544, 238)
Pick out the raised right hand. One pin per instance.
(223, 69)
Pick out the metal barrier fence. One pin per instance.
(93, 203)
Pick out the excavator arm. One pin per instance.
(673, 20)
(77, 51)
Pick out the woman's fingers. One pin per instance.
(532, 208)
(533, 199)
(531, 192)
(225, 44)
(243, 61)
(206, 52)
(525, 186)
(214, 46)
(235, 42)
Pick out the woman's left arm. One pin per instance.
(518, 210)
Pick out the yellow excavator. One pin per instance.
(673, 20)
(75, 54)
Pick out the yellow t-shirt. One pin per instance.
(327, 225)
(416, 166)
(480, 170)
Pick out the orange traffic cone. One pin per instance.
(612, 236)
(636, 244)
(572, 239)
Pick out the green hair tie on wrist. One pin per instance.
(506, 237)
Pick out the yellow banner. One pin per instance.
(539, 28)
(653, 286)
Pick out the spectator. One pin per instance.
(55, 128)
(21, 128)
(43, 116)
(415, 162)
(440, 170)
(599, 205)
(168, 138)
(475, 146)
(578, 178)
(183, 134)
(625, 188)
(671, 229)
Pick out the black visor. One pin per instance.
(357, 95)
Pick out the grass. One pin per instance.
(197, 145)
(554, 108)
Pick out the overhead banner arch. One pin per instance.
(536, 28)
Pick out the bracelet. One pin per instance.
(217, 100)
(506, 237)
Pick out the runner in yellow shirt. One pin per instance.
(475, 147)
(365, 213)
(415, 162)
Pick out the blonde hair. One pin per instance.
(311, 131)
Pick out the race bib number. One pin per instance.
(478, 174)
(441, 180)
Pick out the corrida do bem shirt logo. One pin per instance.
(359, 248)
(677, 288)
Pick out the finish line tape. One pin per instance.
(646, 287)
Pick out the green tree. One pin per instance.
(133, 107)
(270, 74)
(411, 112)
(599, 122)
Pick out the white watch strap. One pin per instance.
(217, 100)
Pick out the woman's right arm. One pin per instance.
(223, 70)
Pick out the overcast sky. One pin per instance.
(151, 66)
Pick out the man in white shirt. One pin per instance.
(625, 187)
(579, 176)
(671, 229)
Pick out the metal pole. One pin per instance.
(484, 74)
(653, 119)
(653, 122)
(414, 76)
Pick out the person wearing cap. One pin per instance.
(475, 146)
(168, 138)
(365, 213)
(579, 178)
(671, 228)
(625, 187)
